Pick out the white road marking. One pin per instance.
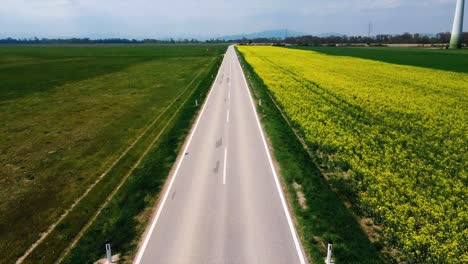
(227, 118)
(225, 165)
(168, 190)
(278, 186)
(229, 94)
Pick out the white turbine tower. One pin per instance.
(457, 30)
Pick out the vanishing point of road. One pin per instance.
(224, 202)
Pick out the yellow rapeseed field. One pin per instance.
(397, 135)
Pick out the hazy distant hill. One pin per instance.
(279, 34)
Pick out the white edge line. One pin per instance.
(142, 249)
(278, 186)
(225, 165)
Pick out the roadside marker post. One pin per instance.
(108, 253)
(328, 260)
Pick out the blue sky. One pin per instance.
(213, 18)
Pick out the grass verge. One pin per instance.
(319, 212)
(124, 219)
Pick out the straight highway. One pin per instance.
(223, 202)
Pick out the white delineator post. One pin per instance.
(329, 252)
(108, 253)
(457, 30)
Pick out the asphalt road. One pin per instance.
(224, 202)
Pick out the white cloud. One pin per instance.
(42, 10)
(151, 18)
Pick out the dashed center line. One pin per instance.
(225, 165)
(227, 117)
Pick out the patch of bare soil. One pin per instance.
(300, 195)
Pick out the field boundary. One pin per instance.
(52, 227)
(300, 138)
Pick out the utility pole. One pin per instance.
(457, 30)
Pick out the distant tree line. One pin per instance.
(406, 38)
(100, 41)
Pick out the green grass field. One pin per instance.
(68, 114)
(450, 60)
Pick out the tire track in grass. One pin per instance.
(52, 227)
